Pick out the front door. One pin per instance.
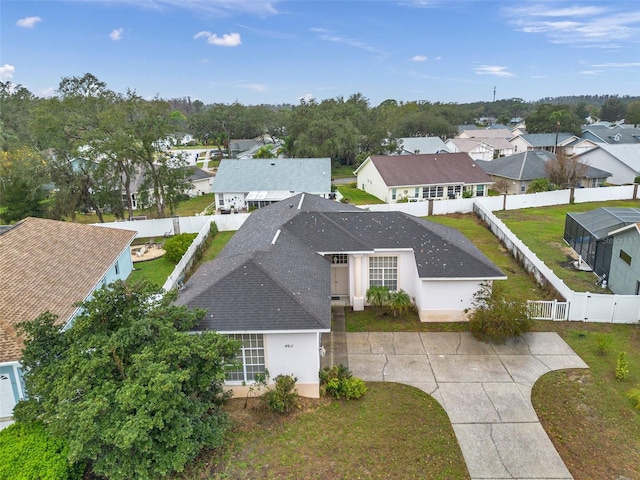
(339, 280)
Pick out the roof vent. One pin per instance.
(273, 163)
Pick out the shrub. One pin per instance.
(622, 366)
(28, 452)
(400, 302)
(494, 318)
(176, 246)
(339, 382)
(378, 296)
(634, 396)
(603, 343)
(282, 398)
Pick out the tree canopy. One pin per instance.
(134, 394)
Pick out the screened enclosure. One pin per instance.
(588, 234)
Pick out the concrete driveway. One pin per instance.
(485, 389)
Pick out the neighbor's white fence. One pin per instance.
(177, 276)
(582, 306)
(548, 310)
(165, 226)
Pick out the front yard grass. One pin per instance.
(542, 230)
(393, 431)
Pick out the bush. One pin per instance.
(176, 246)
(634, 396)
(622, 367)
(27, 452)
(339, 382)
(494, 318)
(282, 398)
(603, 343)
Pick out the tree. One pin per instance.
(378, 296)
(539, 185)
(400, 302)
(133, 392)
(546, 118)
(633, 113)
(502, 185)
(613, 110)
(565, 171)
(495, 318)
(23, 180)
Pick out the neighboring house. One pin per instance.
(624, 271)
(238, 146)
(480, 148)
(272, 286)
(612, 135)
(521, 169)
(543, 141)
(623, 161)
(422, 177)
(257, 182)
(201, 182)
(417, 145)
(589, 234)
(484, 133)
(49, 265)
(251, 153)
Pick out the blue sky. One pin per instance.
(255, 51)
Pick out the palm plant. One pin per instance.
(378, 296)
(400, 302)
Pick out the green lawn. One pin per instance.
(342, 171)
(393, 431)
(156, 271)
(542, 229)
(356, 196)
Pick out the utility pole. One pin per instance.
(494, 94)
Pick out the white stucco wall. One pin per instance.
(598, 158)
(297, 354)
(446, 300)
(369, 177)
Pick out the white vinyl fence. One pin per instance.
(548, 310)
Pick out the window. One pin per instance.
(251, 358)
(393, 194)
(221, 200)
(117, 269)
(453, 191)
(626, 258)
(433, 192)
(480, 191)
(383, 272)
(338, 258)
(417, 192)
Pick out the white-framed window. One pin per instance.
(250, 358)
(393, 194)
(338, 258)
(417, 192)
(383, 272)
(433, 191)
(454, 191)
(479, 190)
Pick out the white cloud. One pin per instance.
(496, 70)
(580, 25)
(590, 72)
(6, 72)
(28, 22)
(214, 8)
(227, 40)
(116, 34)
(418, 58)
(307, 97)
(256, 87)
(618, 65)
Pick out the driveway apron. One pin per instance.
(484, 388)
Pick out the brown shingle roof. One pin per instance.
(50, 265)
(429, 169)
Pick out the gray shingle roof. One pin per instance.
(528, 165)
(274, 174)
(545, 139)
(270, 276)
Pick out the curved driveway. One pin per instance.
(484, 388)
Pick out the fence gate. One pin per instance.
(548, 310)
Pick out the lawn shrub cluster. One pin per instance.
(176, 246)
(339, 382)
(27, 452)
(283, 397)
(495, 318)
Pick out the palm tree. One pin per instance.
(378, 296)
(400, 302)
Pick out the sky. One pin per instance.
(279, 52)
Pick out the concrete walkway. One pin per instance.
(485, 389)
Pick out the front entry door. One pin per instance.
(339, 280)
